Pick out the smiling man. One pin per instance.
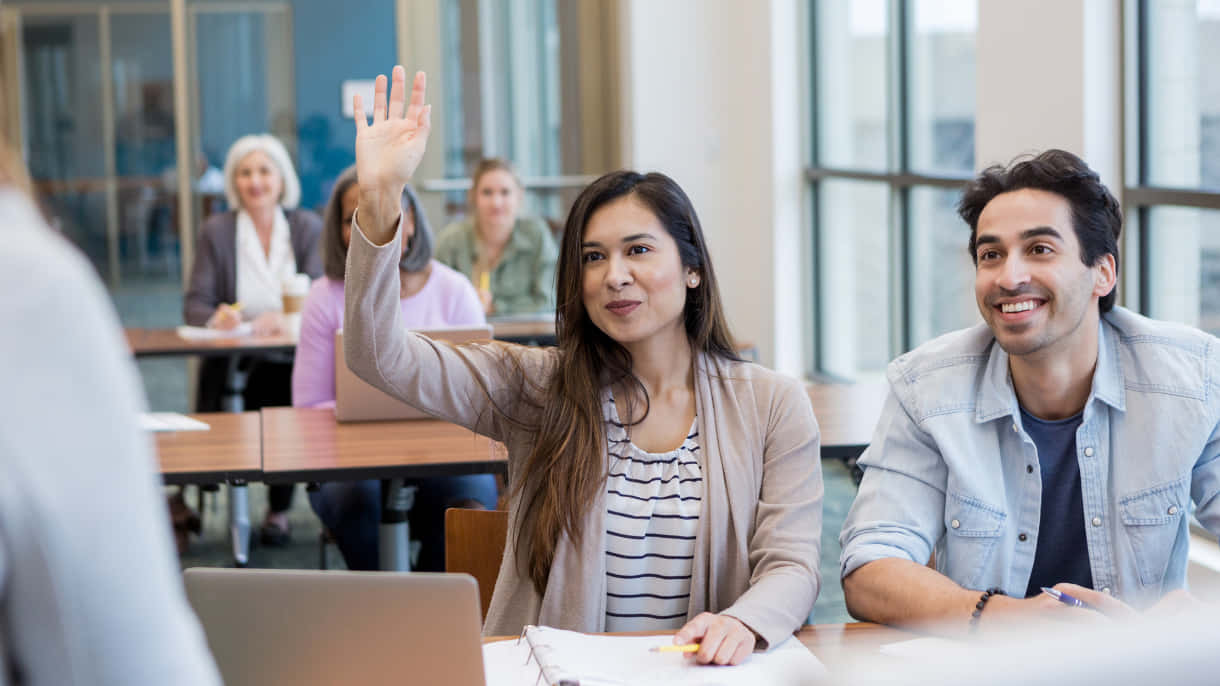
(1060, 444)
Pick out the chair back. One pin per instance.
(474, 544)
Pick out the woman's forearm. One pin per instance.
(379, 210)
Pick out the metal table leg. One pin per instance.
(394, 532)
(239, 521)
(235, 385)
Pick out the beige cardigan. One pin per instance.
(759, 533)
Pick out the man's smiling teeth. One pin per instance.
(1018, 307)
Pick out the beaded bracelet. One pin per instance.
(978, 607)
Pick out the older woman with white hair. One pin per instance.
(241, 259)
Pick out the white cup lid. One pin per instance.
(297, 284)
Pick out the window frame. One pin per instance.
(899, 178)
(1140, 196)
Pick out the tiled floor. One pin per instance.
(212, 549)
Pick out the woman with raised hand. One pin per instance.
(432, 296)
(659, 482)
(510, 258)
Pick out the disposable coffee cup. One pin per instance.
(294, 289)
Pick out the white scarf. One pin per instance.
(260, 275)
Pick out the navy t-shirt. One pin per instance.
(1063, 549)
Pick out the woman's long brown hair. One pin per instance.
(567, 466)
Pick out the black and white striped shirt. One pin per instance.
(652, 513)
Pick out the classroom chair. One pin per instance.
(474, 544)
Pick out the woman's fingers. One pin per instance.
(744, 648)
(709, 644)
(692, 630)
(419, 91)
(391, 146)
(379, 102)
(723, 640)
(398, 92)
(730, 647)
(362, 121)
(268, 324)
(425, 120)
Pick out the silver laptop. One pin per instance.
(270, 627)
(356, 400)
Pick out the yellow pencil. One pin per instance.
(235, 306)
(485, 281)
(688, 648)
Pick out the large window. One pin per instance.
(894, 142)
(516, 83)
(1173, 195)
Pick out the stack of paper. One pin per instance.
(170, 421)
(202, 333)
(591, 660)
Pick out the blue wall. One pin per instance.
(334, 42)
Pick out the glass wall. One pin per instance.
(98, 83)
(894, 121)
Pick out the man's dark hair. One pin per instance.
(1096, 216)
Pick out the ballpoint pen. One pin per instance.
(1067, 599)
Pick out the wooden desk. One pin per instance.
(524, 329)
(838, 646)
(302, 444)
(847, 415)
(230, 451)
(165, 342)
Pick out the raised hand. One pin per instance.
(389, 150)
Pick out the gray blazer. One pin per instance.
(214, 274)
(758, 541)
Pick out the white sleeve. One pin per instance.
(90, 590)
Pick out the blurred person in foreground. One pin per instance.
(1060, 444)
(89, 589)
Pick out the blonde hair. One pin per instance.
(490, 164)
(271, 147)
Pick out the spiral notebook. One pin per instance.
(567, 658)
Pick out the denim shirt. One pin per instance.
(951, 467)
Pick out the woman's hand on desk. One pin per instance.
(723, 640)
(226, 318)
(389, 150)
(268, 324)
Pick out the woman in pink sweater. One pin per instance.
(431, 296)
